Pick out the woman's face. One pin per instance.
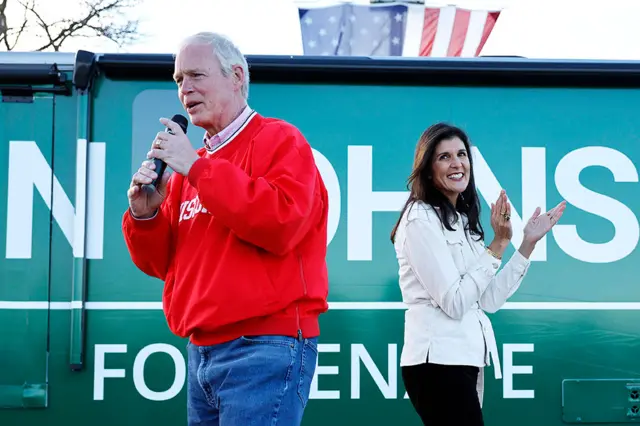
(451, 168)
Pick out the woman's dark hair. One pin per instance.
(421, 187)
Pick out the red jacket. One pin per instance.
(241, 241)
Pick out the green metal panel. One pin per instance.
(24, 267)
(540, 144)
(79, 281)
(601, 401)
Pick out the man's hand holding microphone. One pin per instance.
(171, 148)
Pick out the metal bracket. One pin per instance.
(29, 395)
(25, 93)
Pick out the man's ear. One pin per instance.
(238, 75)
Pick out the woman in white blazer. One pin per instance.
(449, 278)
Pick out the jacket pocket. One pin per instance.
(269, 340)
(307, 369)
(455, 244)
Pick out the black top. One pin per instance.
(484, 71)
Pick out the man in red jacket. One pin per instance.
(238, 233)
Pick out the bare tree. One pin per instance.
(90, 18)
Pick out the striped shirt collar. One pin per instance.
(215, 141)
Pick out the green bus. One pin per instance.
(83, 336)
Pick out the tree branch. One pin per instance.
(3, 23)
(97, 18)
(7, 32)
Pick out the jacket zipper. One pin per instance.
(304, 288)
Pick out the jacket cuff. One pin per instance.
(198, 168)
(519, 262)
(142, 222)
(489, 263)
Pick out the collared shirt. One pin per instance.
(214, 142)
(448, 280)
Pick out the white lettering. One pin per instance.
(510, 370)
(388, 389)
(179, 377)
(81, 200)
(29, 168)
(183, 206)
(624, 221)
(363, 201)
(95, 200)
(533, 191)
(190, 208)
(100, 372)
(332, 184)
(324, 369)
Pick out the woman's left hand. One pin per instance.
(538, 225)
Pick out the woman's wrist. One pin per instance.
(498, 246)
(526, 248)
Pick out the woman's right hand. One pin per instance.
(501, 224)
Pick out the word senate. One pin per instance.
(359, 357)
(29, 169)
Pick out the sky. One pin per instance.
(554, 29)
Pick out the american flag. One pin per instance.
(353, 30)
(395, 30)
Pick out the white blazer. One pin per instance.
(448, 281)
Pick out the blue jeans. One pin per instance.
(250, 381)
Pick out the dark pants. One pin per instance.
(444, 395)
(251, 381)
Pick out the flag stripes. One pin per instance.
(447, 31)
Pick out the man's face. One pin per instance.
(204, 92)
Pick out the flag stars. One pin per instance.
(349, 30)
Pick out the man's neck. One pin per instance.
(228, 117)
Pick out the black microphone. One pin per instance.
(149, 188)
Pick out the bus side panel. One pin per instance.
(542, 145)
(25, 190)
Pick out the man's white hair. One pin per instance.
(226, 51)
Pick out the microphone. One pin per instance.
(161, 165)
